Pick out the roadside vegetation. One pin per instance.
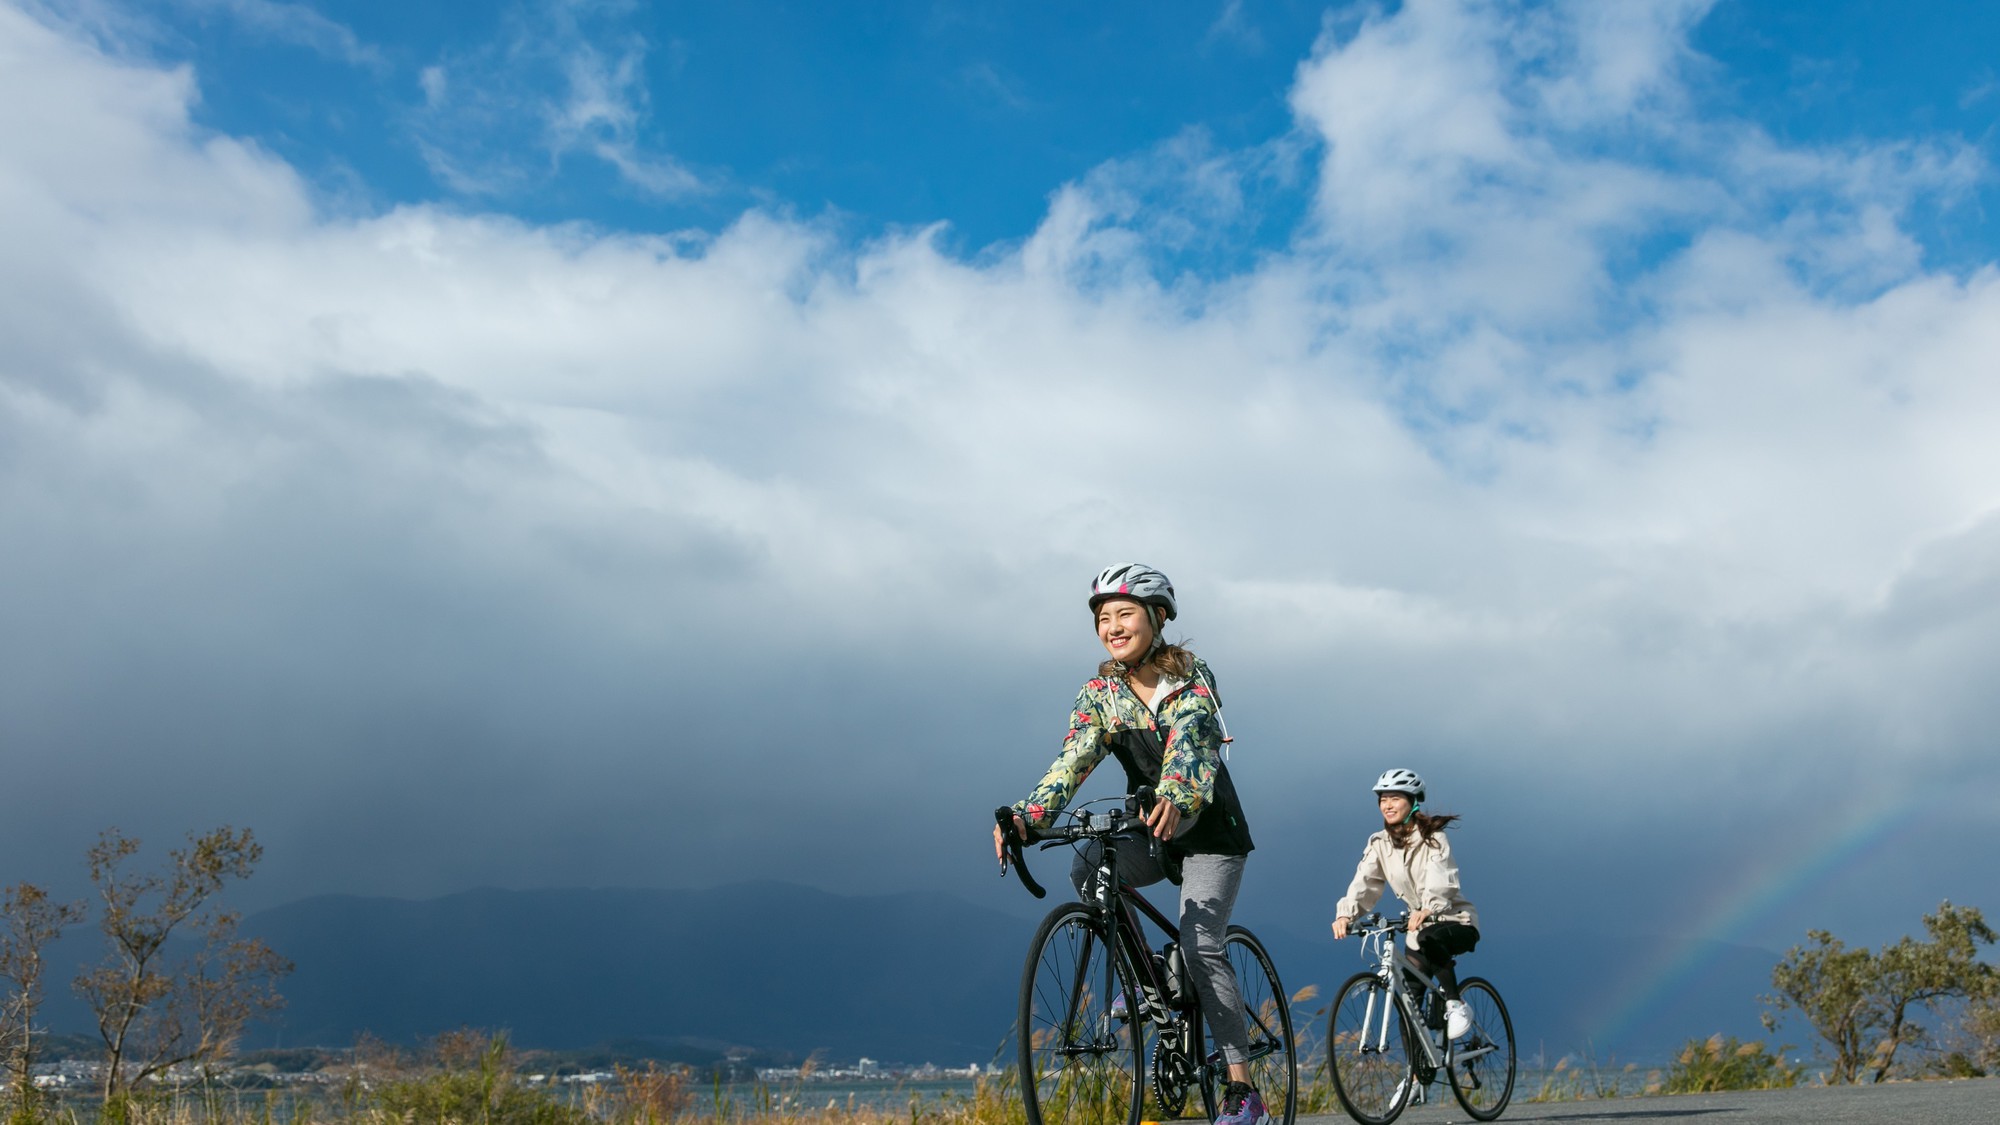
(471, 1077)
(1706, 1066)
(1582, 1077)
(1912, 1009)
(177, 985)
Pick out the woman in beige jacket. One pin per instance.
(1412, 857)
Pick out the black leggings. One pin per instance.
(1437, 945)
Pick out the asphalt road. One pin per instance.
(1973, 1101)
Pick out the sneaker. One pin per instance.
(1242, 1105)
(1118, 1010)
(1457, 1019)
(1416, 1093)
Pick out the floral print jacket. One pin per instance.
(1108, 714)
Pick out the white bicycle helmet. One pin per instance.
(1401, 781)
(1137, 581)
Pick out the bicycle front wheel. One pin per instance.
(1368, 1051)
(1482, 1062)
(1272, 1050)
(1078, 1027)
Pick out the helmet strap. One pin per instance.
(1159, 617)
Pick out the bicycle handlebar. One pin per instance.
(1004, 817)
(1363, 925)
(1085, 826)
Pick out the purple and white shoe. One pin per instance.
(1242, 1105)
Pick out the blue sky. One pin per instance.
(888, 114)
(494, 447)
(920, 113)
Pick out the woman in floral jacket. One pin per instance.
(1153, 706)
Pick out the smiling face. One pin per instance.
(1126, 628)
(1395, 807)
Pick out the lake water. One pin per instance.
(860, 1093)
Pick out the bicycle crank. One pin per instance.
(1173, 1073)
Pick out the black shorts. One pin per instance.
(1445, 940)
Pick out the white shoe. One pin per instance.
(1457, 1019)
(1416, 1093)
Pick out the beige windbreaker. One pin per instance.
(1424, 876)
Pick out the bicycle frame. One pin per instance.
(1122, 923)
(1395, 973)
(1122, 913)
(1121, 910)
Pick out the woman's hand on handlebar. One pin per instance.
(1164, 818)
(1000, 841)
(1340, 928)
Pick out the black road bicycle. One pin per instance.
(1096, 1000)
(1386, 1043)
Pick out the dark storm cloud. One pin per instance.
(445, 550)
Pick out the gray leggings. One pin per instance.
(1208, 894)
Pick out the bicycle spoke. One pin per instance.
(1369, 1051)
(1270, 1052)
(1079, 1060)
(1482, 1074)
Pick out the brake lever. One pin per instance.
(1004, 817)
(1144, 797)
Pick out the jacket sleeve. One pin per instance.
(1082, 749)
(1366, 888)
(1437, 888)
(1191, 749)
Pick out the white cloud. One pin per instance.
(299, 25)
(1230, 24)
(1980, 90)
(1530, 447)
(565, 79)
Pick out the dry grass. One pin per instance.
(1583, 1078)
(468, 1079)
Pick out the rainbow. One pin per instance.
(1750, 901)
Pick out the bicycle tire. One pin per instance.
(1079, 1061)
(1485, 1084)
(1372, 1072)
(1267, 1016)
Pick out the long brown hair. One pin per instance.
(1426, 824)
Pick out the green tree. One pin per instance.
(1864, 1004)
(29, 921)
(1980, 1029)
(155, 1010)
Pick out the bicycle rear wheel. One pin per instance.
(1368, 1051)
(1482, 1063)
(1267, 1016)
(1079, 1057)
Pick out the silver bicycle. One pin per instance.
(1386, 1042)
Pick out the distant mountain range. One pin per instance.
(790, 970)
(909, 977)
